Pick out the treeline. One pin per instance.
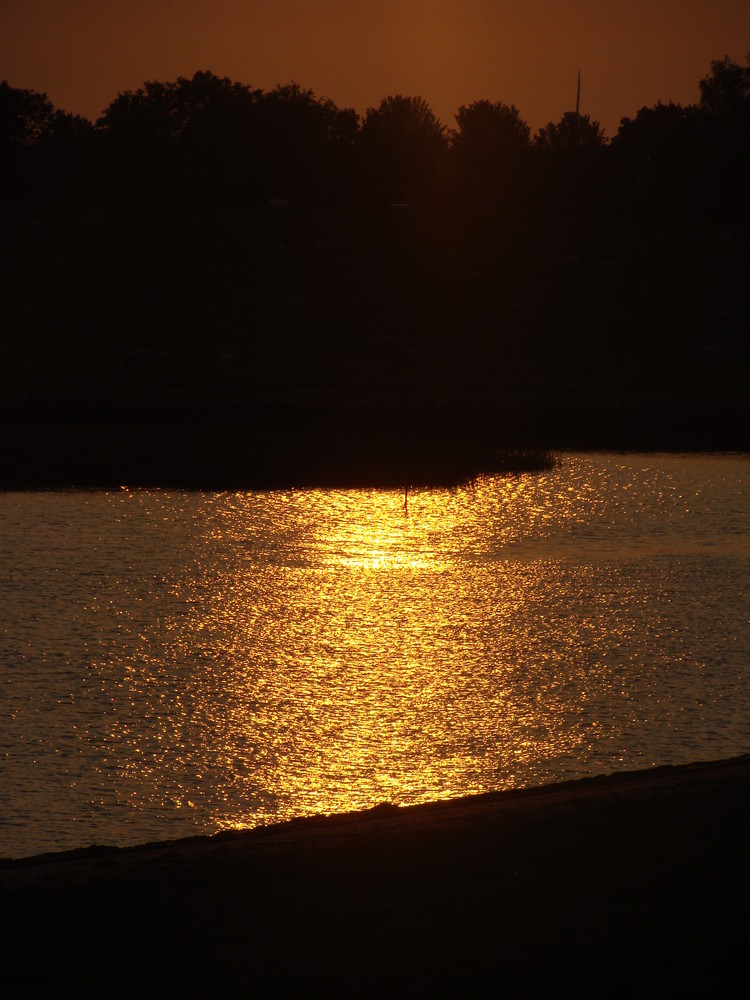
(204, 233)
(209, 140)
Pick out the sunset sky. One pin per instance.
(524, 52)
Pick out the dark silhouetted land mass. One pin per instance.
(230, 443)
(277, 347)
(634, 885)
(216, 286)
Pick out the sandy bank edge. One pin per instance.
(631, 788)
(634, 884)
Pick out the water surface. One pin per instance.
(173, 663)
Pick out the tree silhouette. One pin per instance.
(573, 134)
(657, 133)
(172, 111)
(181, 140)
(490, 128)
(24, 115)
(725, 92)
(725, 100)
(404, 148)
(43, 151)
(660, 156)
(490, 150)
(570, 159)
(210, 139)
(307, 144)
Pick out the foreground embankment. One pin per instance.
(634, 884)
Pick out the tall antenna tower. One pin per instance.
(578, 94)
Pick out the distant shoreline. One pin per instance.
(633, 882)
(237, 440)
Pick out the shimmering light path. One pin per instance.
(181, 663)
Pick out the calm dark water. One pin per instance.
(174, 663)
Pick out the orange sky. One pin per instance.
(524, 52)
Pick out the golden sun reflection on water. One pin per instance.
(361, 664)
(186, 662)
(333, 650)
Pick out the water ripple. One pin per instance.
(173, 663)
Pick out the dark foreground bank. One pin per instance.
(635, 884)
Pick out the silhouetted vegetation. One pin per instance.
(490, 153)
(207, 238)
(209, 140)
(403, 150)
(44, 152)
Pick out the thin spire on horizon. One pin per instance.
(578, 94)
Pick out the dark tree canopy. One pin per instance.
(175, 140)
(42, 149)
(573, 133)
(658, 133)
(404, 147)
(398, 119)
(725, 92)
(201, 212)
(208, 137)
(298, 110)
(172, 111)
(725, 100)
(489, 149)
(571, 158)
(24, 114)
(490, 129)
(305, 143)
(210, 140)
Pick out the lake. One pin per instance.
(175, 663)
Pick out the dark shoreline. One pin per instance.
(633, 884)
(232, 441)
